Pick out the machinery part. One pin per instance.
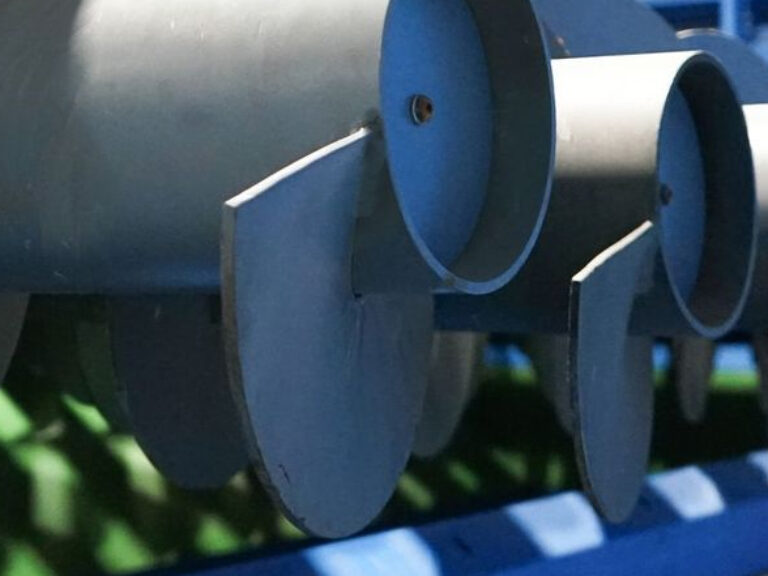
(455, 370)
(168, 357)
(118, 135)
(610, 374)
(678, 110)
(693, 361)
(569, 236)
(632, 28)
(81, 174)
(52, 344)
(13, 309)
(549, 356)
(687, 291)
(154, 366)
(694, 364)
(94, 354)
(330, 433)
(497, 242)
(755, 318)
(760, 343)
(70, 335)
(595, 97)
(744, 65)
(626, 27)
(331, 437)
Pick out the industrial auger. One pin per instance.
(650, 232)
(306, 162)
(249, 218)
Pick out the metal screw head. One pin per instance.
(422, 109)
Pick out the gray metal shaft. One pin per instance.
(605, 186)
(125, 125)
(610, 114)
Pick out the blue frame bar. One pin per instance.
(735, 18)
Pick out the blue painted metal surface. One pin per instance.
(745, 19)
(427, 46)
(697, 520)
(735, 17)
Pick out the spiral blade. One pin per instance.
(331, 383)
(610, 374)
(455, 371)
(168, 357)
(549, 355)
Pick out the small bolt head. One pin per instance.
(422, 109)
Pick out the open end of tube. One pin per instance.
(469, 125)
(712, 283)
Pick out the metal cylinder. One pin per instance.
(755, 316)
(612, 112)
(125, 127)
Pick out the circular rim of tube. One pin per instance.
(519, 186)
(728, 255)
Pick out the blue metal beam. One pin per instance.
(735, 18)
